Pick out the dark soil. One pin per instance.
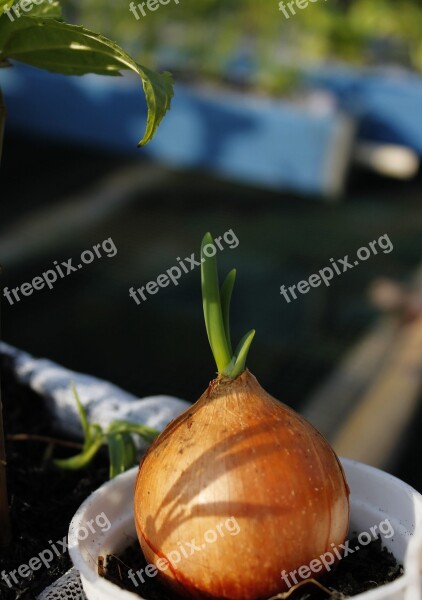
(369, 568)
(43, 499)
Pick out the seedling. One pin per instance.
(118, 437)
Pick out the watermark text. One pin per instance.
(65, 268)
(55, 549)
(325, 561)
(25, 6)
(186, 550)
(342, 265)
(149, 6)
(186, 265)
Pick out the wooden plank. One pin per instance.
(373, 431)
(329, 406)
(365, 406)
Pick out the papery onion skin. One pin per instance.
(238, 452)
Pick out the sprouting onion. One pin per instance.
(240, 454)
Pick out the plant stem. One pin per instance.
(5, 525)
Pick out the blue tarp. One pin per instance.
(269, 143)
(386, 103)
(244, 138)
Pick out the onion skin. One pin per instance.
(238, 452)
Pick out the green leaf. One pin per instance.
(147, 433)
(122, 453)
(94, 439)
(212, 307)
(82, 416)
(226, 296)
(131, 455)
(238, 362)
(82, 460)
(73, 50)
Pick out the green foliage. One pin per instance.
(118, 437)
(40, 39)
(4, 5)
(204, 34)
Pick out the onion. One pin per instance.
(237, 456)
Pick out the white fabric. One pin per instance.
(103, 401)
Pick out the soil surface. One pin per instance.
(43, 499)
(369, 568)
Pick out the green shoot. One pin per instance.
(212, 308)
(216, 304)
(118, 437)
(238, 362)
(226, 296)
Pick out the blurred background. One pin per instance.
(304, 136)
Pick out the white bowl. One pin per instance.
(375, 496)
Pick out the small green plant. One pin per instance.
(118, 437)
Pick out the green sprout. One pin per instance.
(118, 437)
(216, 305)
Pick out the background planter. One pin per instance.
(375, 496)
(234, 136)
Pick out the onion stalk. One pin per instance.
(239, 454)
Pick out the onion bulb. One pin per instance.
(237, 456)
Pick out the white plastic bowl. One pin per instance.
(375, 496)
